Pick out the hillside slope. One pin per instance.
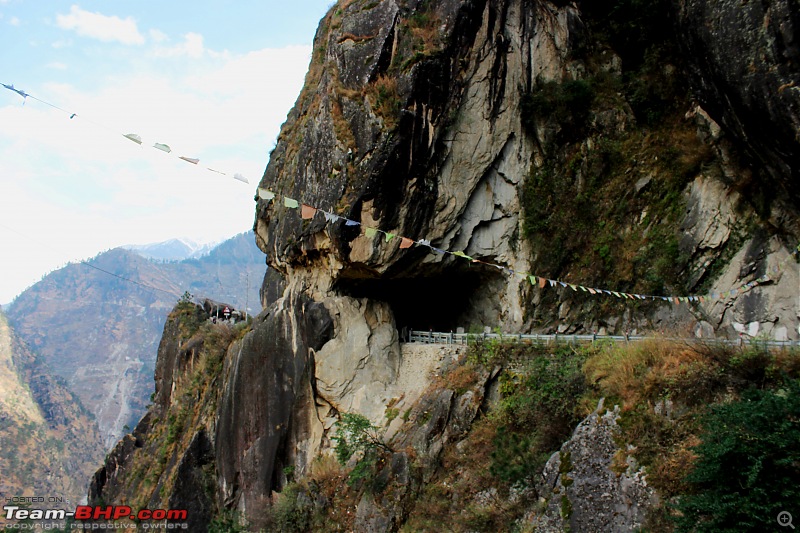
(49, 443)
(100, 333)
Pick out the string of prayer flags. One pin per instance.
(20, 92)
(307, 212)
(133, 137)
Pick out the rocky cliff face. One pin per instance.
(416, 120)
(50, 443)
(751, 93)
(540, 137)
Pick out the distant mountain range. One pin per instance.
(98, 324)
(172, 250)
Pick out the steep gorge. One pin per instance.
(49, 443)
(570, 141)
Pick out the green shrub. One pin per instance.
(748, 464)
(543, 393)
(227, 522)
(357, 435)
(515, 459)
(288, 514)
(540, 391)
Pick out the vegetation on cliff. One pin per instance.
(605, 204)
(498, 439)
(673, 398)
(49, 443)
(167, 448)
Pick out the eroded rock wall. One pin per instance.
(450, 167)
(448, 160)
(411, 122)
(267, 413)
(744, 63)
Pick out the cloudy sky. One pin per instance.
(211, 79)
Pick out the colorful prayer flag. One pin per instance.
(264, 194)
(133, 137)
(163, 147)
(192, 160)
(405, 242)
(290, 202)
(307, 212)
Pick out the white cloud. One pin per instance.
(14, 21)
(57, 66)
(192, 46)
(158, 36)
(79, 187)
(99, 26)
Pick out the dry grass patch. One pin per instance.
(385, 99)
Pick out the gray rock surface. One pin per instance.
(753, 92)
(580, 490)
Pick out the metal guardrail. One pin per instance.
(438, 337)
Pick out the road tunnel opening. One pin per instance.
(440, 302)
